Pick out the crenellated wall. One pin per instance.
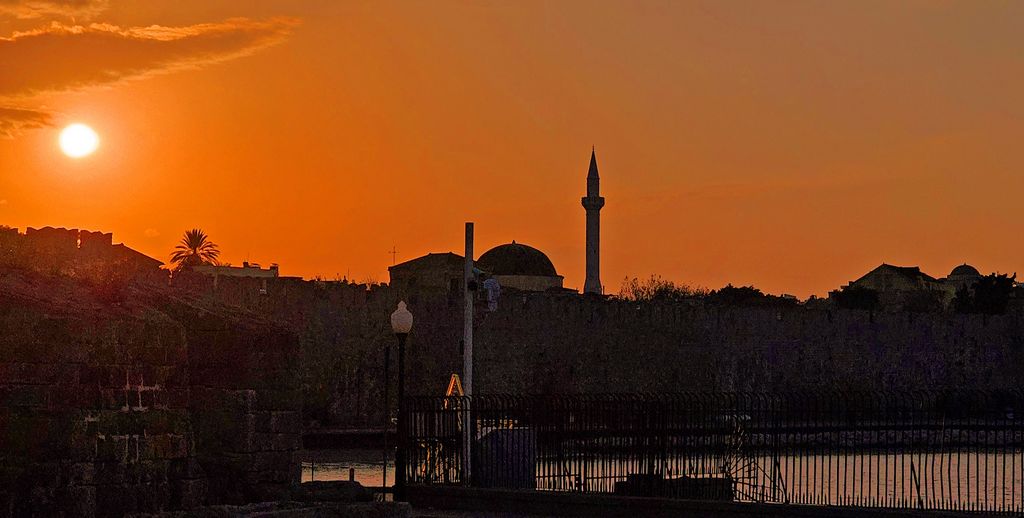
(539, 342)
(566, 344)
(156, 402)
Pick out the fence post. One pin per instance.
(468, 422)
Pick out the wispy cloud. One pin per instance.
(30, 9)
(15, 120)
(61, 57)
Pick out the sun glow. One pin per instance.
(78, 140)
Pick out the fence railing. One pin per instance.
(960, 451)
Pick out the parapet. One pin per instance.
(71, 251)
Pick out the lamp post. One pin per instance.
(401, 324)
(387, 415)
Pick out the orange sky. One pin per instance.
(788, 145)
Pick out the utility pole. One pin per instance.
(469, 287)
(467, 325)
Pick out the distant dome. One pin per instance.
(516, 259)
(964, 270)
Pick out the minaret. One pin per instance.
(593, 202)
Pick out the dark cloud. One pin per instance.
(15, 120)
(63, 57)
(28, 9)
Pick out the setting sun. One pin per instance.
(78, 140)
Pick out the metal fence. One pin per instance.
(961, 451)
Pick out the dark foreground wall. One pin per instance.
(138, 400)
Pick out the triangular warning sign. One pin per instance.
(454, 386)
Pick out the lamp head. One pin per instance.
(401, 320)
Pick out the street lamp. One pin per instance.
(387, 416)
(401, 324)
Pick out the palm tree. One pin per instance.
(195, 249)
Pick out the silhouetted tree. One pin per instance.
(745, 296)
(195, 249)
(990, 296)
(656, 288)
(963, 302)
(733, 296)
(924, 301)
(853, 297)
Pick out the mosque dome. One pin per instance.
(964, 270)
(516, 259)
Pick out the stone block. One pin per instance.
(153, 355)
(112, 398)
(242, 401)
(77, 500)
(88, 396)
(185, 468)
(29, 373)
(110, 449)
(81, 473)
(152, 497)
(187, 493)
(115, 500)
(277, 441)
(33, 396)
(174, 376)
(109, 473)
(68, 395)
(150, 397)
(42, 475)
(178, 446)
(82, 445)
(32, 435)
(271, 461)
(174, 399)
(285, 422)
(279, 399)
(177, 354)
(262, 421)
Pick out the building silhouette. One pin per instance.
(522, 267)
(593, 202)
(512, 265)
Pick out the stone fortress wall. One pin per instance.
(122, 395)
(581, 344)
(548, 343)
(121, 392)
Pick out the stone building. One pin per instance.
(246, 270)
(433, 274)
(513, 265)
(892, 279)
(898, 285)
(963, 276)
(522, 267)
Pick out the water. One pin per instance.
(951, 480)
(974, 480)
(327, 465)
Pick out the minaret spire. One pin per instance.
(593, 202)
(593, 165)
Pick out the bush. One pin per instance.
(853, 297)
(656, 288)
